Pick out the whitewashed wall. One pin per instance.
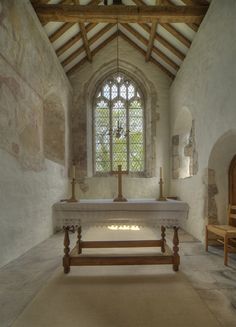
(206, 85)
(133, 63)
(33, 91)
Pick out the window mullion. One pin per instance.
(111, 133)
(127, 133)
(132, 133)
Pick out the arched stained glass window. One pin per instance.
(119, 125)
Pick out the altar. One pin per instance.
(134, 211)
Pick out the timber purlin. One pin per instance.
(75, 257)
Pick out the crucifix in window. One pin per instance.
(120, 197)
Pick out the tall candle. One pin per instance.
(73, 171)
(160, 172)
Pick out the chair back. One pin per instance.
(232, 215)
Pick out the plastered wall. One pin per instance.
(35, 96)
(155, 85)
(206, 85)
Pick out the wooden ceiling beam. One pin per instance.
(85, 41)
(93, 39)
(39, 1)
(83, 31)
(169, 27)
(134, 45)
(179, 36)
(110, 14)
(94, 52)
(193, 26)
(164, 42)
(65, 27)
(158, 52)
(151, 41)
(73, 56)
(195, 2)
(73, 40)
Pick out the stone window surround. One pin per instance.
(150, 105)
(141, 100)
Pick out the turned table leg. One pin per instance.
(79, 248)
(176, 258)
(66, 258)
(163, 235)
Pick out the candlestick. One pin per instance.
(73, 182)
(73, 198)
(161, 197)
(73, 171)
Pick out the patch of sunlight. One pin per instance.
(124, 227)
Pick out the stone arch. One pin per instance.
(184, 154)
(219, 161)
(150, 101)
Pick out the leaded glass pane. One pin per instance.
(114, 91)
(130, 91)
(136, 124)
(118, 126)
(123, 91)
(106, 91)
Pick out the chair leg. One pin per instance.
(226, 250)
(206, 240)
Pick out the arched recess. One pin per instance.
(219, 162)
(232, 181)
(150, 100)
(184, 154)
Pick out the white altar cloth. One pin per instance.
(135, 211)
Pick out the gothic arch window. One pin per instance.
(119, 135)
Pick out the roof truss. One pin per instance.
(123, 14)
(164, 14)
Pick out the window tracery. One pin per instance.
(119, 126)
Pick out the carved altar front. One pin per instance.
(105, 212)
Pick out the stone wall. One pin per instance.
(155, 86)
(34, 99)
(206, 85)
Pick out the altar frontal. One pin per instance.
(134, 211)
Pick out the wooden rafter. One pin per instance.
(110, 14)
(168, 27)
(84, 36)
(177, 34)
(195, 2)
(94, 52)
(73, 40)
(193, 26)
(151, 41)
(134, 45)
(164, 42)
(85, 41)
(39, 1)
(93, 39)
(158, 52)
(65, 27)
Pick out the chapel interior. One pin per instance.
(131, 100)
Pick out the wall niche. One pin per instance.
(184, 154)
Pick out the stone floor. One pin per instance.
(21, 279)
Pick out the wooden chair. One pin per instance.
(224, 234)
